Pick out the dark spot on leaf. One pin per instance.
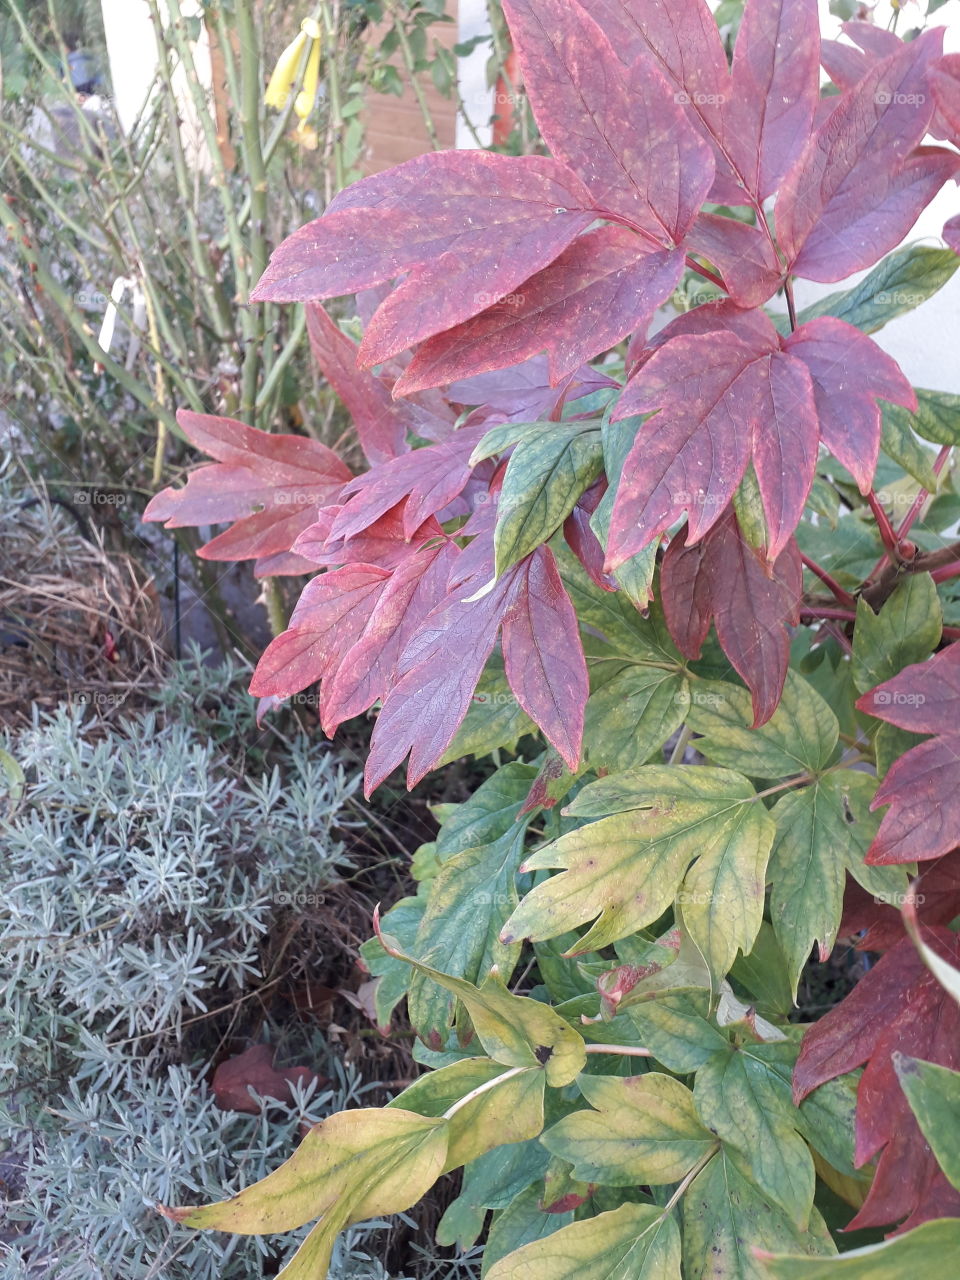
(543, 1054)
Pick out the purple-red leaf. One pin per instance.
(543, 656)
(945, 80)
(897, 1007)
(329, 617)
(776, 87)
(367, 670)
(722, 399)
(724, 579)
(856, 189)
(383, 543)
(604, 286)
(271, 485)
(523, 393)
(620, 128)
(951, 233)
(429, 479)
(438, 671)
(743, 254)
(445, 218)
(922, 787)
(381, 424)
(850, 373)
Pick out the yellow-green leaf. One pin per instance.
(634, 1242)
(353, 1165)
(633, 714)
(920, 1253)
(727, 1218)
(934, 1096)
(800, 736)
(741, 1098)
(507, 1106)
(514, 1030)
(625, 869)
(673, 1025)
(643, 1131)
(906, 630)
(545, 476)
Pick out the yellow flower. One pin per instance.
(285, 73)
(311, 81)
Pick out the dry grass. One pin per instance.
(78, 622)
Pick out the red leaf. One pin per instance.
(581, 539)
(856, 189)
(722, 578)
(271, 485)
(850, 418)
(922, 787)
(329, 617)
(845, 64)
(438, 673)
(543, 656)
(682, 41)
(381, 543)
(722, 399)
(936, 891)
(951, 233)
(254, 1069)
(523, 393)
(429, 479)
(604, 286)
(381, 424)
(621, 129)
(445, 218)
(744, 256)
(898, 1006)
(945, 80)
(367, 670)
(776, 87)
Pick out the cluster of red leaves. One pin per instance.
(471, 265)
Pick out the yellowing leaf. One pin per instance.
(800, 737)
(508, 1106)
(626, 868)
(644, 1131)
(514, 1030)
(743, 1098)
(634, 1242)
(353, 1165)
(920, 1253)
(727, 1218)
(934, 1096)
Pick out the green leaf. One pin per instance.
(514, 1030)
(899, 443)
(644, 1130)
(642, 640)
(353, 1165)
(763, 970)
(403, 921)
(898, 284)
(491, 812)
(522, 1222)
(821, 831)
(544, 479)
(491, 1182)
(15, 779)
(673, 1025)
(634, 1242)
(934, 1096)
(938, 413)
(626, 869)
(508, 434)
(468, 903)
(635, 575)
(744, 1103)
(501, 1113)
(748, 505)
(906, 630)
(726, 1217)
(920, 1253)
(633, 714)
(495, 719)
(800, 737)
